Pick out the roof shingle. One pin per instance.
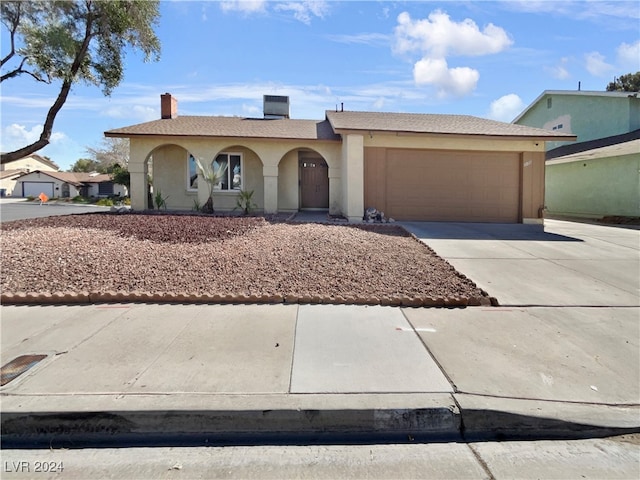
(201, 126)
(434, 123)
(75, 178)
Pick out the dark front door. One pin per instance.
(314, 183)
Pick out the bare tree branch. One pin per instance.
(14, 21)
(20, 70)
(45, 136)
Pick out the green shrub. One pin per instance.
(30, 198)
(160, 200)
(79, 199)
(105, 202)
(245, 202)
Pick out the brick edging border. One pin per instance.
(75, 298)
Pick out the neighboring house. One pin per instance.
(11, 171)
(598, 176)
(410, 166)
(67, 185)
(8, 181)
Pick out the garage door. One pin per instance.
(36, 188)
(452, 186)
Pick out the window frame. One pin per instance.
(191, 188)
(228, 172)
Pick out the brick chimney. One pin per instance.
(168, 106)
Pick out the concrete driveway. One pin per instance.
(563, 344)
(564, 264)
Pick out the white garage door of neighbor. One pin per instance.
(453, 186)
(36, 188)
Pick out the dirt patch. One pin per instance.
(102, 257)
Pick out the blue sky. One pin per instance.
(482, 58)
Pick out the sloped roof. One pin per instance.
(616, 145)
(75, 178)
(436, 124)
(217, 126)
(10, 173)
(575, 93)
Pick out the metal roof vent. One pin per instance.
(275, 106)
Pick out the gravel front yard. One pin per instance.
(109, 257)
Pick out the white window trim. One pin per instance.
(189, 187)
(231, 191)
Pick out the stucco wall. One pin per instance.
(28, 164)
(448, 142)
(10, 187)
(262, 159)
(595, 188)
(588, 117)
(288, 176)
(170, 177)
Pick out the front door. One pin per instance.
(314, 183)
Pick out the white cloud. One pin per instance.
(139, 113)
(244, 6)
(379, 103)
(361, 38)
(303, 11)
(251, 110)
(629, 56)
(439, 37)
(596, 65)
(458, 81)
(560, 71)
(506, 108)
(591, 10)
(17, 136)
(306, 10)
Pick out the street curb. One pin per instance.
(436, 421)
(229, 426)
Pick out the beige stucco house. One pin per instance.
(10, 172)
(67, 185)
(410, 166)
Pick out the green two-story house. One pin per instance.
(597, 176)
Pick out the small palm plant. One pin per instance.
(161, 202)
(245, 202)
(213, 176)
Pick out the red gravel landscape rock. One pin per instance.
(181, 258)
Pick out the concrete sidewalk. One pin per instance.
(554, 362)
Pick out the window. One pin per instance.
(549, 103)
(231, 165)
(192, 173)
(105, 188)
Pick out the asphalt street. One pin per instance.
(20, 209)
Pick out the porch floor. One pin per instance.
(316, 216)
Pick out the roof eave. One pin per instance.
(550, 137)
(183, 135)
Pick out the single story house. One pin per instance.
(11, 171)
(599, 175)
(410, 166)
(66, 185)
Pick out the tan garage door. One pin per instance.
(452, 186)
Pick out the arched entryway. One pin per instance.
(313, 173)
